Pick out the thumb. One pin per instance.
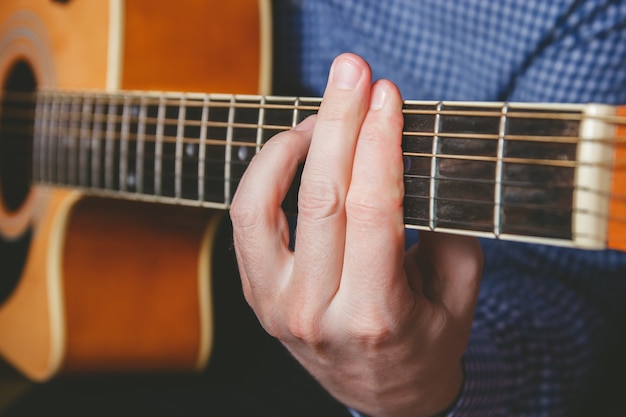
(449, 268)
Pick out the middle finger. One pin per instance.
(325, 181)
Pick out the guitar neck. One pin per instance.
(531, 172)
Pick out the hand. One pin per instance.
(381, 330)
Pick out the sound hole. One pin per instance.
(16, 135)
(16, 143)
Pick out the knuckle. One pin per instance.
(281, 142)
(244, 214)
(271, 329)
(305, 328)
(372, 329)
(269, 317)
(319, 199)
(362, 208)
(368, 208)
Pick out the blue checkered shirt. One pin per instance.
(546, 317)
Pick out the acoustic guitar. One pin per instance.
(111, 191)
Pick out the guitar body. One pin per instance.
(98, 284)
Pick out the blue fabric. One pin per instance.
(546, 316)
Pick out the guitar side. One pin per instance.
(109, 285)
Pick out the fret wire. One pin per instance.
(84, 145)
(227, 149)
(294, 120)
(139, 145)
(202, 151)
(52, 142)
(497, 209)
(61, 141)
(109, 143)
(96, 148)
(124, 137)
(62, 144)
(37, 139)
(260, 126)
(434, 170)
(158, 146)
(73, 139)
(179, 147)
(44, 140)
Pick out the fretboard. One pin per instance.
(540, 173)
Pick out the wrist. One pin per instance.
(446, 393)
(437, 397)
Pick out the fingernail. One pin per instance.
(306, 124)
(378, 97)
(345, 74)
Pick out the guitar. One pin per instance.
(105, 173)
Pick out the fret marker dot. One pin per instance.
(190, 150)
(130, 179)
(242, 153)
(407, 164)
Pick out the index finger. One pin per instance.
(260, 229)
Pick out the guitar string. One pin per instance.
(118, 120)
(517, 110)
